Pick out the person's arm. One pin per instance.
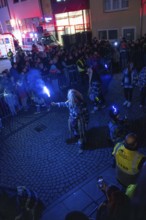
(60, 104)
(140, 165)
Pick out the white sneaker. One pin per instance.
(125, 103)
(128, 104)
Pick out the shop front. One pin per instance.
(71, 17)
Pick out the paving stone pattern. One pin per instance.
(44, 162)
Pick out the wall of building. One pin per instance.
(144, 18)
(47, 10)
(69, 5)
(4, 16)
(25, 9)
(115, 20)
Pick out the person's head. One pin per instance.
(76, 215)
(110, 190)
(118, 205)
(131, 141)
(74, 97)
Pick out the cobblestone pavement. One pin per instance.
(42, 161)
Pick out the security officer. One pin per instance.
(128, 160)
(10, 56)
(81, 66)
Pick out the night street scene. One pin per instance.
(72, 109)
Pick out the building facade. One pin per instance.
(4, 16)
(25, 17)
(143, 17)
(70, 17)
(114, 19)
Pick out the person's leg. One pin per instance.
(130, 94)
(82, 133)
(126, 96)
(102, 101)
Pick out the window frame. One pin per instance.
(114, 10)
(15, 2)
(107, 31)
(129, 27)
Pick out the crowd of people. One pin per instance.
(35, 75)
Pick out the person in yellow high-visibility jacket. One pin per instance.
(81, 66)
(128, 160)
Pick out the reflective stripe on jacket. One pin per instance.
(80, 66)
(127, 160)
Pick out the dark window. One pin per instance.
(114, 5)
(60, 0)
(15, 1)
(125, 3)
(102, 35)
(107, 5)
(129, 33)
(7, 40)
(112, 34)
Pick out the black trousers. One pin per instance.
(84, 78)
(128, 92)
(143, 95)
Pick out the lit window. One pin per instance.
(111, 5)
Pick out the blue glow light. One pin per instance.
(115, 109)
(115, 44)
(46, 91)
(106, 66)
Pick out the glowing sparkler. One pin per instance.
(46, 91)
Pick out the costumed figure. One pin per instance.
(78, 116)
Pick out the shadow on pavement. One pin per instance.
(97, 137)
(138, 126)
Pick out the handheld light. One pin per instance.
(46, 91)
